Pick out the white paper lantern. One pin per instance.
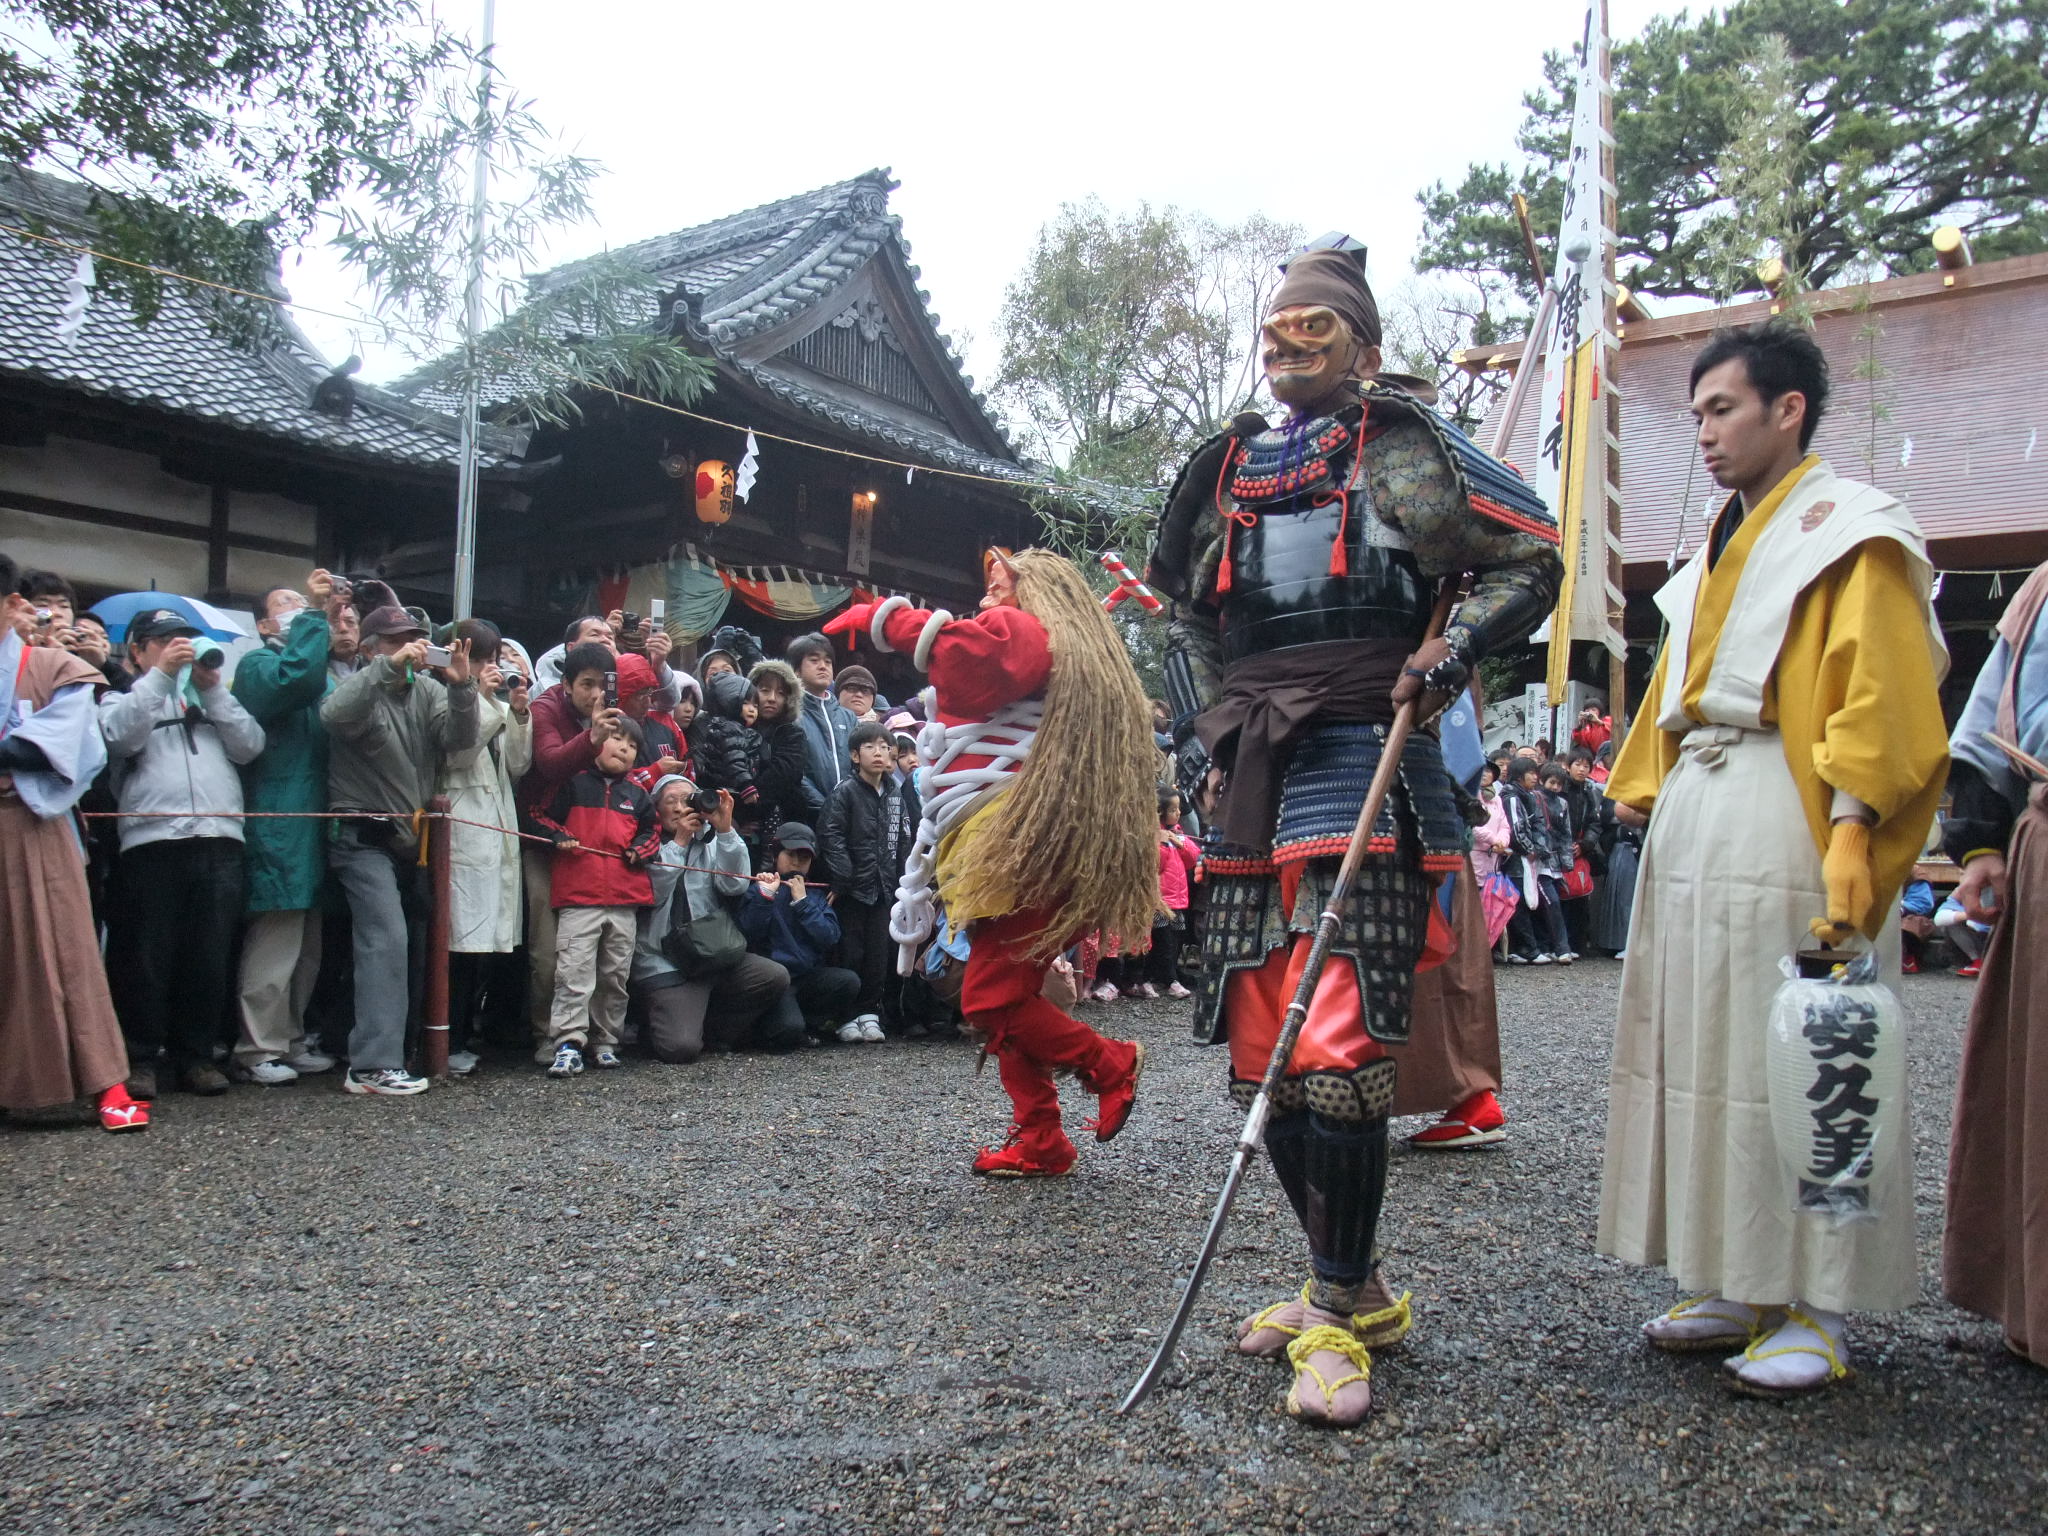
(1837, 1073)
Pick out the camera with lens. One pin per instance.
(704, 802)
(629, 622)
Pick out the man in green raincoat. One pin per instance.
(282, 686)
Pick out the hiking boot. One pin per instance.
(203, 1078)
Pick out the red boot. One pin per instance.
(118, 1112)
(1114, 1103)
(1028, 1154)
(1475, 1121)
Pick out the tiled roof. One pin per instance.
(1936, 396)
(178, 364)
(750, 272)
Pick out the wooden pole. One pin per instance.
(440, 866)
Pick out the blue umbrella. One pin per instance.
(117, 611)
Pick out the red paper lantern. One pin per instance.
(714, 492)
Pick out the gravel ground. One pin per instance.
(764, 1295)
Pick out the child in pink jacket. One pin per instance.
(1180, 863)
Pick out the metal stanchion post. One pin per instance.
(434, 1047)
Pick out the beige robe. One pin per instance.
(1730, 877)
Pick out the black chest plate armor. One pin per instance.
(1289, 585)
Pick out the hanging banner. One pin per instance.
(697, 597)
(860, 534)
(785, 594)
(1578, 350)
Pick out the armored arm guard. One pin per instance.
(1466, 511)
(1187, 697)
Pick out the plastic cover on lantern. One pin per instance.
(1835, 1064)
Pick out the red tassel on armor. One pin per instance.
(1223, 571)
(1340, 557)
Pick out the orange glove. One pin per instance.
(1850, 891)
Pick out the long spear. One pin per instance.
(1297, 1015)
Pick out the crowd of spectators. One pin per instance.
(639, 858)
(1555, 866)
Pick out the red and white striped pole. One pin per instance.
(1127, 585)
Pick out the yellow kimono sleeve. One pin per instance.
(1858, 701)
(1648, 755)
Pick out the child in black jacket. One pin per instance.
(864, 838)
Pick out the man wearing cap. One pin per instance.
(1304, 560)
(856, 690)
(789, 921)
(176, 740)
(387, 728)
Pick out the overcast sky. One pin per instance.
(992, 116)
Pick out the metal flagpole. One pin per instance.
(472, 322)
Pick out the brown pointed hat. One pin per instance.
(1330, 271)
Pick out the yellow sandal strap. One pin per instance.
(1337, 1341)
(1692, 1307)
(1400, 1312)
(1825, 1350)
(1264, 1318)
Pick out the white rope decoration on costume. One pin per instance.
(949, 795)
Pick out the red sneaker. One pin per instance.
(1972, 969)
(1113, 1105)
(1909, 966)
(118, 1112)
(1026, 1156)
(1477, 1121)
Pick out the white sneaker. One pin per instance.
(271, 1074)
(871, 1029)
(567, 1062)
(393, 1081)
(308, 1062)
(461, 1063)
(1544, 960)
(1567, 957)
(850, 1033)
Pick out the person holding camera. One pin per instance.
(571, 720)
(282, 685)
(388, 727)
(691, 970)
(486, 920)
(177, 740)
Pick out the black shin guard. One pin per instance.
(1331, 1158)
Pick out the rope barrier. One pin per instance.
(417, 818)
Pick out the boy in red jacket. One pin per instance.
(605, 832)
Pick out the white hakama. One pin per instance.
(1692, 1179)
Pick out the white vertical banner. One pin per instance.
(1571, 460)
